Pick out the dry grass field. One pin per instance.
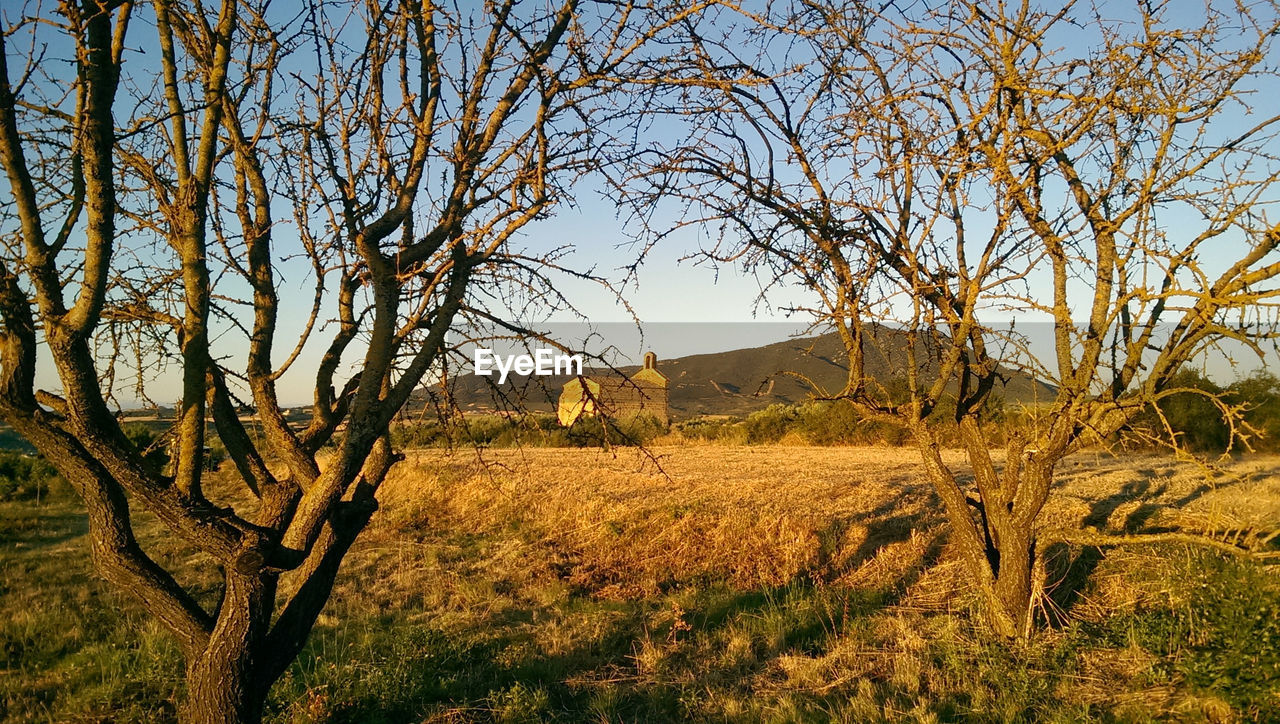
(706, 583)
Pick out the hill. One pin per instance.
(736, 382)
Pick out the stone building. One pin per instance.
(645, 392)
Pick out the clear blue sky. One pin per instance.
(722, 304)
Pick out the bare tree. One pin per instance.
(405, 145)
(927, 172)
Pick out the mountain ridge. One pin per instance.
(734, 382)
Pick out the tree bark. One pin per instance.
(219, 694)
(223, 681)
(996, 533)
(1008, 604)
(208, 118)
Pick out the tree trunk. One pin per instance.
(1008, 602)
(995, 533)
(221, 694)
(226, 681)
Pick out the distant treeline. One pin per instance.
(1194, 418)
(821, 422)
(1198, 421)
(1192, 415)
(812, 423)
(529, 429)
(25, 476)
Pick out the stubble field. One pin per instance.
(709, 583)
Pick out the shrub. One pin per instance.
(1220, 628)
(1233, 624)
(820, 422)
(28, 477)
(482, 429)
(427, 433)
(770, 424)
(838, 422)
(710, 429)
(642, 429)
(533, 430)
(1194, 417)
(1198, 423)
(630, 430)
(1195, 421)
(147, 440)
(828, 423)
(1260, 392)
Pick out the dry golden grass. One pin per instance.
(625, 523)
(633, 525)
(1146, 491)
(711, 583)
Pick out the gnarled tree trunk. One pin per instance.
(994, 532)
(928, 169)
(222, 131)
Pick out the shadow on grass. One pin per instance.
(710, 653)
(647, 660)
(585, 659)
(1072, 570)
